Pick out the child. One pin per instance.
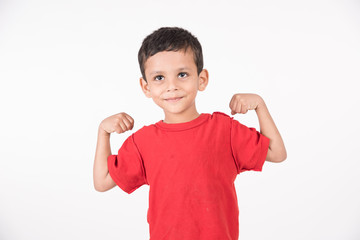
(189, 160)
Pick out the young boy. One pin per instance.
(189, 160)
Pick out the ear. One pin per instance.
(145, 87)
(203, 79)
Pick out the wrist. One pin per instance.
(261, 104)
(101, 131)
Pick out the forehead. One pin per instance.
(170, 60)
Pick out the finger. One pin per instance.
(122, 126)
(243, 109)
(231, 106)
(232, 102)
(235, 106)
(238, 107)
(131, 120)
(128, 124)
(118, 130)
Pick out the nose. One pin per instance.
(172, 84)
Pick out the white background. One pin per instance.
(67, 65)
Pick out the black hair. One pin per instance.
(169, 39)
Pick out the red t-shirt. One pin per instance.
(190, 168)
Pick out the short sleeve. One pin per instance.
(127, 168)
(249, 147)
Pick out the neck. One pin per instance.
(181, 117)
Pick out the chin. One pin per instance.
(173, 111)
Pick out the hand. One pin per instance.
(119, 123)
(242, 102)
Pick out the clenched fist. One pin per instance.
(120, 122)
(242, 102)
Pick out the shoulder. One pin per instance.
(144, 131)
(218, 113)
(225, 119)
(220, 121)
(221, 116)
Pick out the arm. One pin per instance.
(241, 103)
(102, 179)
(276, 151)
(119, 123)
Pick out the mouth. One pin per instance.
(173, 99)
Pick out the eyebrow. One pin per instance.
(179, 69)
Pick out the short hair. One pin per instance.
(169, 39)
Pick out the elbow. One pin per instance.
(284, 156)
(281, 158)
(99, 187)
(276, 158)
(104, 184)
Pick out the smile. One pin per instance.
(173, 99)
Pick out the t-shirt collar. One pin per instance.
(185, 125)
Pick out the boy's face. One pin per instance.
(170, 75)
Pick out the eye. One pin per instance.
(157, 77)
(183, 74)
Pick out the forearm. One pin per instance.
(103, 150)
(268, 128)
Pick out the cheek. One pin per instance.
(156, 92)
(191, 87)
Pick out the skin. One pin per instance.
(166, 80)
(241, 103)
